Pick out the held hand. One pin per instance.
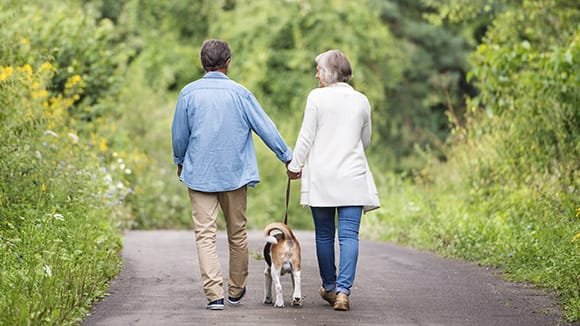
(293, 175)
(179, 168)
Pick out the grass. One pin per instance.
(531, 236)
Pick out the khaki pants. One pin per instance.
(204, 208)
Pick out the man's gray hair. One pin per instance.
(334, 67)
(215, 54)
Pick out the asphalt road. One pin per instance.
(160, 285)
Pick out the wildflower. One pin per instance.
(74, 138)
(576, 237)
(47, 270)
(73, 81)
(5, 72)
(58, 216)
(510, 255)
(43, 187)
(26, 69)
(39, 94)
(46, 66)
(50, 132)
(578, 212)
(103, 145)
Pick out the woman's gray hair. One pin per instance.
(334, 67)
(215, 54)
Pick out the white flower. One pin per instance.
(58, 217)
(47, 270)
(73, 137)
(50, 132)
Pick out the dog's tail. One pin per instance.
(275, 230)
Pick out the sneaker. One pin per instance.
(216, 305)
(341, 302)
(328, 296)
(236, 301)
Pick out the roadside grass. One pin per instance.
(60, 204)
(530, 235)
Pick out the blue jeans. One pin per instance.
(349, 218)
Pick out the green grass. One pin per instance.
(531, 236)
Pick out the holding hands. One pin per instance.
(292, 175)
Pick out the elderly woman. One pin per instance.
(330, 158)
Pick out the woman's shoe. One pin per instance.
(341, 302)
(328, 296)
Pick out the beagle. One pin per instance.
(282, 255)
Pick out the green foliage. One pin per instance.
(76, 47)
(429, 98)
(509, 193)
(60, 197)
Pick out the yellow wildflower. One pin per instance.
(103, 145)
(43, 187)
(73, 81)
(5, 72)
(26, 69)
(578, 212)
(576, 237)
(42, 93)
(47, 66)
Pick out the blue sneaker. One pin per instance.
(216, 305)
(236, 301)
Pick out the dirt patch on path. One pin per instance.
(160, 285)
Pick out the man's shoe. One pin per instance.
(328, 296)
(216, 305)
(341, 302)
(236, 301)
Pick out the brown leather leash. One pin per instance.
(287, 201)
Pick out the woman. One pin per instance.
(329, 156)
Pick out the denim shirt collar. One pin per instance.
(215, 75)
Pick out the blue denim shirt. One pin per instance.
(212, 134)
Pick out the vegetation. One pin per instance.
(62, 190)
(475, 116)
(508, 194)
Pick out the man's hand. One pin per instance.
(293, 175)
(179, 168)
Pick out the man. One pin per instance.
(215, 157)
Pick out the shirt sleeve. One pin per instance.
(263, 126)
(180, 131)
(305, 137)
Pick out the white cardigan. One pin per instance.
(330, 149)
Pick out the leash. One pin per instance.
(287, 201)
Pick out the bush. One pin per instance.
(509, 192)
(61, 194)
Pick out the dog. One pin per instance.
(282, 255)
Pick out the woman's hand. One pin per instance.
(293, 175)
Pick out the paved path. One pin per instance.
(160, 285)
